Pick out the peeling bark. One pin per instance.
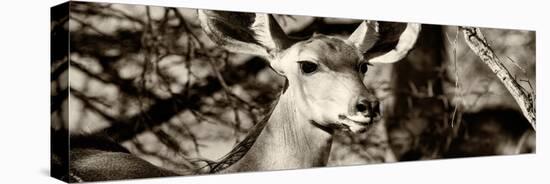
(476, 41)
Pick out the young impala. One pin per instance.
(324, 89)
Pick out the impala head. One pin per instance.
(325, 73)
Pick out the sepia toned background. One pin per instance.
(149, 78)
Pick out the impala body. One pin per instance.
(324, 90)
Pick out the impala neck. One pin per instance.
(288, 141)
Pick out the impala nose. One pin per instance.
(368, 108)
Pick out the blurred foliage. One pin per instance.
(149, 78)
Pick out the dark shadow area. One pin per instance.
(59, 145)
(489, 131)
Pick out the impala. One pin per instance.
(324, 93)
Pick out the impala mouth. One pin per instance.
(357, 123)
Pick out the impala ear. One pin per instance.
(364, 37)
(257, 34)
(385, 42)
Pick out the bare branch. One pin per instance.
(458, 93)
(476, 41)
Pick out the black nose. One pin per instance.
(368, 108)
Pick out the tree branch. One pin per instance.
(476, 41)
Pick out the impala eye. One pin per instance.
(308, 67)
(363, 67)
